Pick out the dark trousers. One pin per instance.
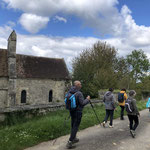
(111, 114)
(122, 112)
(75, 122)
(134, 121)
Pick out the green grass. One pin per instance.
(51, 126)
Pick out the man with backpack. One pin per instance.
(109, 102)
(122, 97)
(74, 103)
(132, 112)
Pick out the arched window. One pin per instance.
(50, 96)
(23, 96)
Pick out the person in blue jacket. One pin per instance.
(148, 104)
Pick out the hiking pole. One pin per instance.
(95, 112)
(66, 119)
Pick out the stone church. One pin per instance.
(30, 80)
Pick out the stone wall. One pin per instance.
(3, 83)
(38, 91)
(3, 92)
(29, 111)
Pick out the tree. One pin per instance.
(122, 72)
(138, 64)
(94, 68)
(145, 83)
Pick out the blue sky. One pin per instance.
(63, 28)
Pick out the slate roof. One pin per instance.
(35, 67)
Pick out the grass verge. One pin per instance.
(51, 126)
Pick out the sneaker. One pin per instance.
(132, 132)
(69, 145)
(122, 118)
(111, 126)
(103, 123)
(76, 140)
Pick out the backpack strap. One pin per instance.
(131, 99)
(72, 96)
(77, 102)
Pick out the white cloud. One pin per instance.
(60, 19)
(5, 31)
(55, 47)
(101, 15)
(60, 47)
(11, 23)
(33, 23)
(4, 34)
(96, 13)
(133, 34)
(47, 46)
(49, 7)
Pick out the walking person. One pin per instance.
(133, 113)
(148, 104)
(122, 97)
(76, 114)
(109, 102)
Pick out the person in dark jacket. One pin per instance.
(133, 116)
(76, 115)
(109, 102)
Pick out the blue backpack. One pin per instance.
(148, 103)
(120, 97)
(70, 101)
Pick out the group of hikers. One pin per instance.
(75, 102)
(110, 106)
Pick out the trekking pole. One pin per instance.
(95, 112)
(66, 119)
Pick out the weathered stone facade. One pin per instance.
(38, 91)
(29, 80)
(3, 92)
